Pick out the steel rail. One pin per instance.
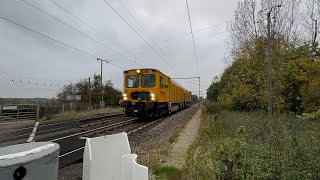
(128, 132)
(92, 130)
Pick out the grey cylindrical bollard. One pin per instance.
(30, 161)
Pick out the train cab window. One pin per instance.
(161, 82)
(132, 81)
(148, 80)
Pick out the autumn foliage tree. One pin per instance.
(295, 63)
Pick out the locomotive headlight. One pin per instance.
(138, 71)
(125, 97)
(153, 97)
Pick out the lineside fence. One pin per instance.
(19, 112)
(34, 112)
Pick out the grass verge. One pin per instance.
(236, 145)
(82, 114)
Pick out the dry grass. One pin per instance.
(255, 146)
(158, 153)
(81, 114)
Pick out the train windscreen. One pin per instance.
(148, 80)
(132, 81)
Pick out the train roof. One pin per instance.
(160, 72)
(146, 69)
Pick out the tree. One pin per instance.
(111, 95)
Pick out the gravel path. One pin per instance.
(177, 155)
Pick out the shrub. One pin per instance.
(211, 107)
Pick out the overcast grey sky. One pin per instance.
(39, 67)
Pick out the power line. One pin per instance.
(198, 39)
(48, 37)
(140, 36)
(141, 26)
(194, 46)
(33, 78)
(72, 27)
(72, 14)
(64, 9)
(187, 34)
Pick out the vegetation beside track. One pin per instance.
(157, 150)
(80, 114)
(254, 145)
(160, 149)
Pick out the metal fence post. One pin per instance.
(17, 113)
(38, 112)
(62, 107)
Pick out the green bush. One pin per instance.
(211, 107)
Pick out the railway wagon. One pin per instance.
(150, 93)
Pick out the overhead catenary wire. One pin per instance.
(66, 24)
(140, 36)
(141, 27)
(91, 27)
(194, 46)
(187, 34)
(60, 42)
(199, 39)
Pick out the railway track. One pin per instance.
(21, 135)
(130, 126)
(71, 135)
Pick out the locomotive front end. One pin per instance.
(140, 92)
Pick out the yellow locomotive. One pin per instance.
(150, 93)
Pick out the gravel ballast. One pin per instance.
(140, 141)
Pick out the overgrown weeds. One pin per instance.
(237, 145)
(210, 107)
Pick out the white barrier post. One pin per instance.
(35, 160)
(109, 157)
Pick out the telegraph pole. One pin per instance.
(269, 66)
(89, 89)
(74, 98)
(199, 91)
(270, 61)
(101, 60)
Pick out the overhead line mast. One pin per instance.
(194, 47)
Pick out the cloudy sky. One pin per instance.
(35, 66)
